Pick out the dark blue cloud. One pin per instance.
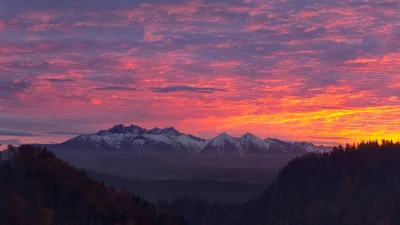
(69, 6)
(186, 88)
(63, 133)
(111, 78)
(58, 80)
(116, 88)
(339, 138)
(299, 32)
(15, 133)
(10, 142)
(9, 88)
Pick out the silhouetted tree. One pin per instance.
(352, 185)
(36, 188)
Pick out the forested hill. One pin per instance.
(36, 188)
(357, 184)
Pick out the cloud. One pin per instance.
(150, 36)
(326, 143)
(64, 133)
(300, 32)
(328, 137)
(115, 88)
(9, 88)
(10, 142)
(15, 133)
(58, 80)
(186, 88)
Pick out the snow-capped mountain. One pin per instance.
(283, 146)
(223, 143)
(121, 129)
(139, 139)
(252, 144)
(310, 147)
(169, 131)
(169, 140)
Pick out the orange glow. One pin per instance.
(96, 101)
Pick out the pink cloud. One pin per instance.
(225, 64)
(149, 35)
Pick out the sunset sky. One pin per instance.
(326, 71)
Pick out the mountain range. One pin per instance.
(169, 140)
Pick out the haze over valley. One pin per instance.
(144, 160)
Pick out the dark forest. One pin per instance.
(354, 184)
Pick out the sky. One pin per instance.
(326, 71)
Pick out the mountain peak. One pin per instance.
(304, 144)
(122, 129)
(252, 143)
(118, 126)
(310, 147)
(248, 135)
(223, 134)
(169, 131)
(223, 143)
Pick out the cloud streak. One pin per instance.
(64, 133)
(186, 88)
(58, 80)
(10, 142)
(15, 133)
(116, 88)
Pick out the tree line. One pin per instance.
(354, 184)
(36, 188)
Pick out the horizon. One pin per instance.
(236, 135)
(71, 136)
(302, 70)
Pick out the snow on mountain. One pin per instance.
(223, 143)
(276, 145)
(162, 138)
(157, 140)
(192, 144)
(252, 144)
(138, 142)
(139, 139)
(121, 129)
(310, 147)
(169, 131)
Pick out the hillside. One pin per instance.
(357, 185)
(354, 185)
(350, 186)
(36, 188)
(206, 189)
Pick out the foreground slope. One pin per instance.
(357, 185)
(37, 188)
(206, 189)
(351, 186)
